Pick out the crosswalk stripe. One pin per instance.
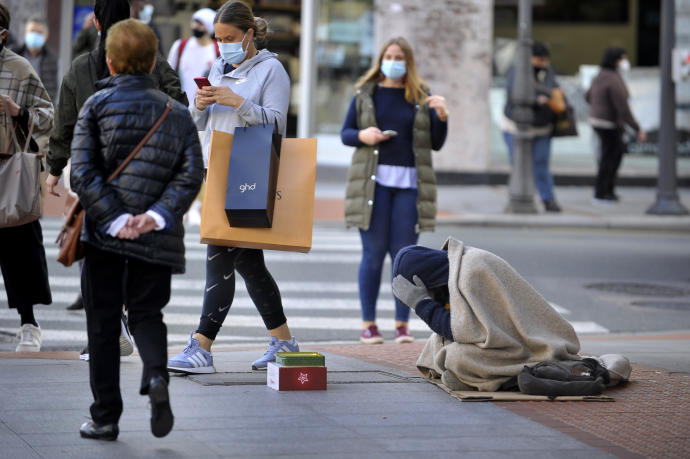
(290, 303)
(272, 256)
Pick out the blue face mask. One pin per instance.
(34, 40)
(146, 14)
(394, 70)
(232, 53)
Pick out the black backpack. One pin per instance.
(564, 377)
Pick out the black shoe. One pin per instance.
(161, 414)
(77, 305)
(99, 431)
(551, 206)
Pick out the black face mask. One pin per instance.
(198, 33)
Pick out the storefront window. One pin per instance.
(345, 39)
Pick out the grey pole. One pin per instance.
(667, 200)
(521, 184)
(307, 68)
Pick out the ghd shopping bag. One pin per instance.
(293, 214)
(20, 179)
(252, 176)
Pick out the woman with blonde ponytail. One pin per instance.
(391, 190)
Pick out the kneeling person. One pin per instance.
(489, 322)
(133, 234)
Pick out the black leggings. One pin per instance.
(612, 149)
(221, 263)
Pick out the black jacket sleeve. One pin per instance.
(88, 178)
(168, 80)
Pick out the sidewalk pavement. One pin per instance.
(484, 205)
(377, 405)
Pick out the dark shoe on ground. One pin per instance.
(551, 206)
(77, 305)
(371, 335)
(99, 431)
(161, 414)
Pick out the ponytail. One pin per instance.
(107, 13)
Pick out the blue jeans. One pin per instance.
(392, 227)
(541, 155)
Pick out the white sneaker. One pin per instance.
(29, 338)
(126, 343)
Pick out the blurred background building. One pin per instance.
(462, 47)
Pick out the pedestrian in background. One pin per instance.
(87, 39)
(22, 256)
(42, 59)
(609, 115)
(133, 233)
(264, 92)
(193, 57)
(78, 84)
(391, 186)
(143, 11)
(543, 118)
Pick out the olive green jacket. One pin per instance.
(78, 84)
(361, 177)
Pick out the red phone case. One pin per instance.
(202, 81)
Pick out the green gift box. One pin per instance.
(300, 359)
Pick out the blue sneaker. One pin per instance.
(193, 359)
(276, 345)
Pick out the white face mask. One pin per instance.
(624, 65)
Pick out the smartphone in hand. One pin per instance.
(390, 132)
(202, 82)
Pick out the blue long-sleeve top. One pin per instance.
(393, 112)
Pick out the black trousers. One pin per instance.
(108, 281)
(23, 265)
(221, 264)
(612, 149)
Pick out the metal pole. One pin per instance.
(66, 17)
(667, 201)
(307, 68)
(521, 184)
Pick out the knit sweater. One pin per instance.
(393, 112)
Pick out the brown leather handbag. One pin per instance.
(68, 240)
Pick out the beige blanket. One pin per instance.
(499, 322)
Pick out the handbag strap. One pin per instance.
(13, 135)
(168, 107)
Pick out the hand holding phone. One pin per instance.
(202, 82)
(390, 132)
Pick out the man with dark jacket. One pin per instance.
(79, 83)
(37, 53)
(133, 233)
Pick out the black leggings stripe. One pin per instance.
(221, 264)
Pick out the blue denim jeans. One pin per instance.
(392, 227)
(541, 155)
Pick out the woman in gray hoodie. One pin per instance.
(245, 84)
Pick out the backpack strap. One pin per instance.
(180, 48)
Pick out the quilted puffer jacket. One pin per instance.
(164, 176)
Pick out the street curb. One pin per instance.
(641, 223)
